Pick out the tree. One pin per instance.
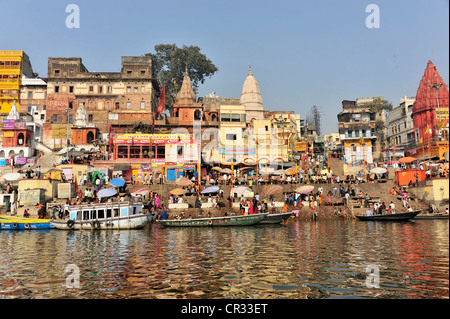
(170, 63)
(379, 104)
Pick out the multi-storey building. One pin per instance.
(400, 126)
(13, 64)
(114, 100)
(357, 129)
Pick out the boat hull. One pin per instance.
(432, 216)
(390, 217)
(132, 222)
(241, 220)
(22, 223)
(276, 218)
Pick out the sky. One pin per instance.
(302, 53)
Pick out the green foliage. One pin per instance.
(379, 104)
(170, 63)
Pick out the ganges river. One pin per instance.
(300, 260)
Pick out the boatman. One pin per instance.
(369, 212)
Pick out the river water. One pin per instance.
(303, 259)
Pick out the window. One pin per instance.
(128, 105)
(70, 118)
(231, 137)
(30, 94)
(122, 151)
(225, 117)
(142, 105)
(135, 89)
(135, 151)
(142, 72)
(117, 105)
(70, 105)
(109, 89)
(128, 73)
(71, 89)
(235, 117)
(128, 89)
(142, 89)
(100, 89)
(42, 116)
(56, 89)
(145, 150)
(350, 133)
(91, 89)
(55, 118)
(56, 72)
(159, 151)
(90, 117)
(267, 128)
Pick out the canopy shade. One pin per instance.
(378, 170)
(183, 181)
(407, 159)
(212, 189)
(276, 189)
(178, 191)
(106, 192)
(140, 191)
(305, 189)
(117, 182)
(11, 176)
(241, 190)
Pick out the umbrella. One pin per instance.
(276, 189)
(106, 192)
(183, 181)
(178, 191)
(117, 182)
(212, 189)
(290, 171)
(378, 170)
(216, 168)
(325, 171)
(140, 191)
(266, 170)
(407, 159)
(305, 189)
(279, 172)
(241, 190)
(226, 171)
(11, 177)
(355, 169)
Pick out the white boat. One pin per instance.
(115, 215)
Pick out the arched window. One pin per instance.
(197, 115)
(20, 139)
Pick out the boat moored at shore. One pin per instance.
(115, 215)
(239, 220)
(23, 223)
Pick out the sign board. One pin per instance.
(301, 146)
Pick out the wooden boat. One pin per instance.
(390, 217)
(276, 218)
(432, 216)
(116, 215)
(240, 220)
(23, 223)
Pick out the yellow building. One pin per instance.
(12, 65)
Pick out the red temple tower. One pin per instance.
(431, 105)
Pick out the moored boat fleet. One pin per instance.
(131, 215)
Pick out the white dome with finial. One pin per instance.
(251, 97)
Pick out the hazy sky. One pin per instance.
(302, 53)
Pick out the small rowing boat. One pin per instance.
(276, 218)
(240, 220)
(390, 217)
(23, 223)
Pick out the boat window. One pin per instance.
(134, 210)
(85, 214)
(116, 212)
(93, 214)
(108, 213)
(101, 213)
(79, 215)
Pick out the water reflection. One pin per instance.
(325, 259)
